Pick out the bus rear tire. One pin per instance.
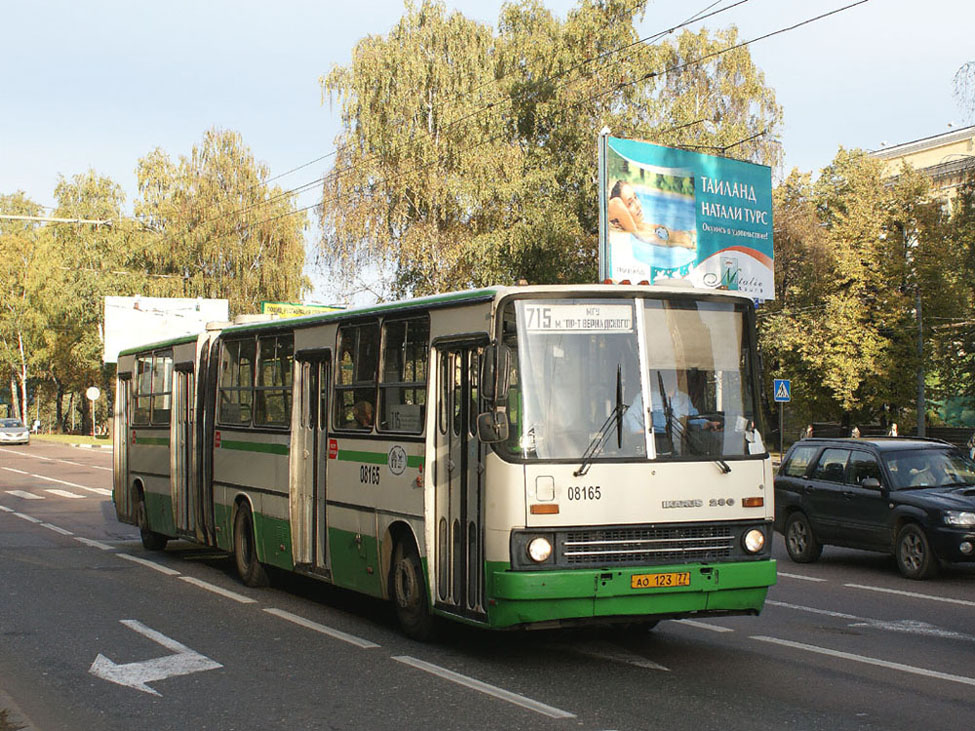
(249, 569)
(151, 541)
(409, 593)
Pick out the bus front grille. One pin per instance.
(647, 545)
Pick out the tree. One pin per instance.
(856, 254)
(218, 229)
(468, 157)
(24, 265)
(91, 262)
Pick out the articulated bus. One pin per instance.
(512, 457)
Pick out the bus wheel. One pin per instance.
(151, 541)
(249, 569)
(409, 593)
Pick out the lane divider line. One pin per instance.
(913, 594)
(5, 509)
(800, 577)
(218, 590)
(486, 688)
(24, 495)
(321, 628)
(151, 564)
(56, 529)
(65, 493)
(94, 544)
(707, 626)
(867, 660)
(31, 518)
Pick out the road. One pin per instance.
(96, 632)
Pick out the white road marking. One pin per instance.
(65, 493)
(482, 687)
(137, 674)
(151, 564)
(913, 594)
(219, 590)
(93, 544)
(800, 577)
(56, 529)
(868, 660)
(907, 626)
(813, 610)
(27, 517)
(96, 490)
(705, 625)
(56, 459)
(5, 509)
(25, 495)
(337, 634)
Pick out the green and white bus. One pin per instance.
(535, 456)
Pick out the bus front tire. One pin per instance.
(151, 541)
(409, 593)
(249, 569)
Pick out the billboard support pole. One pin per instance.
(601, 195)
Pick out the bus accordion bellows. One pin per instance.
(533, 456)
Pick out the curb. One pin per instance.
(91, 446)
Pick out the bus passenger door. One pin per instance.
(181, 455)
(459, 483)
(120, 443)
(309, 453)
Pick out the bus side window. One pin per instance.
(237, 381)
(142, 390)
(272, 396)
(355, 376)
(402, 386)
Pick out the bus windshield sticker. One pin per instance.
(591, 318)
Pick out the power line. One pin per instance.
(697, 17)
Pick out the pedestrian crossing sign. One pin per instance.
(782, 388)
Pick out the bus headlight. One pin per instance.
(539, 549)
(754, 540)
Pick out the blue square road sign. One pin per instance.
(782, 389)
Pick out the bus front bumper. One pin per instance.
(543, 597)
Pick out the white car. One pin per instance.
(13, 431)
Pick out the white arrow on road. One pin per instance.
(137, 674)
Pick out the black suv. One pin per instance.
(914, 498)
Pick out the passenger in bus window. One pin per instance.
(363, 414)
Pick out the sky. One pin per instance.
(100, 84)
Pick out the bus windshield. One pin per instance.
(630, 379)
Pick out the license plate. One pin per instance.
(653, 581)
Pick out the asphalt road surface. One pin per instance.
(97, 633)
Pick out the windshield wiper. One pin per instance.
(596, 445)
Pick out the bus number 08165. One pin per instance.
(584, 492)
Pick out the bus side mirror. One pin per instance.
(495, 369)
(492, 426)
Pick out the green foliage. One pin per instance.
(855, 253)
(25, 263)
(468, 156)
(217, 228)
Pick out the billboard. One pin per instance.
(677, 214)
(293, 309)
(135, 321)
